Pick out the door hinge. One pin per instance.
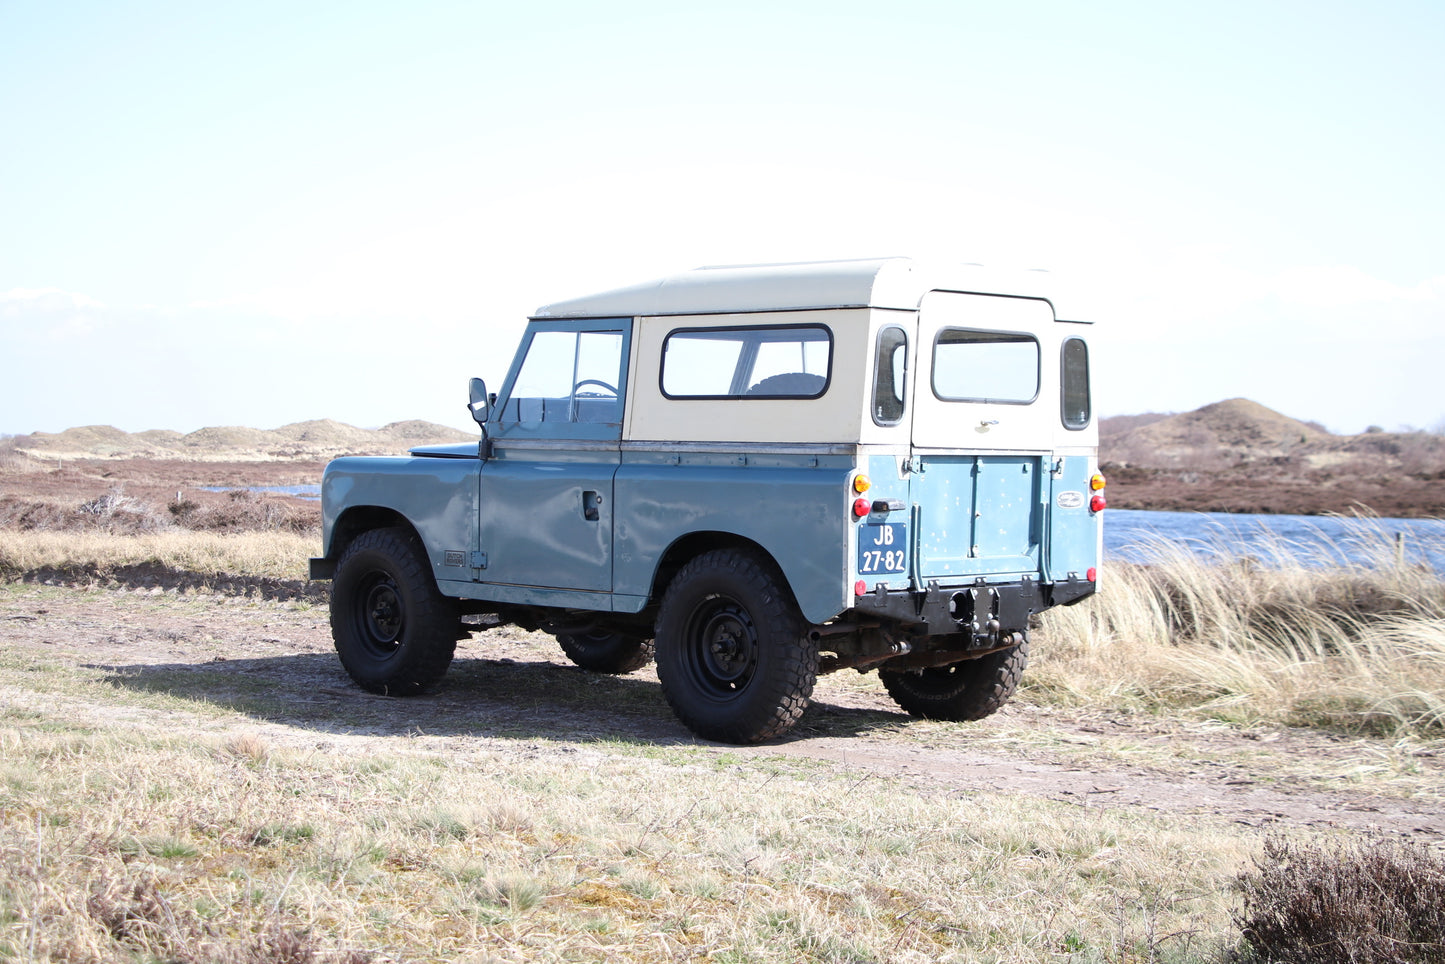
(479, 560)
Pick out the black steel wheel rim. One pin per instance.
(721, 647)
(381, 614)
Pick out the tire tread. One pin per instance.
(428, 645)
(787, 670)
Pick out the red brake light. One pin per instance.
(1092, 575)
(860, 588)
(1098, 504)
(861, 507)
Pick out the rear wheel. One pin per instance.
(970, 690)
(394, 631)
(604, 652)
(735, 661)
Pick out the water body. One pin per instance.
(1138, 535)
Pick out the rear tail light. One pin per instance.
(861, 507)
(1096, 484)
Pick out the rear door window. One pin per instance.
(985, 366)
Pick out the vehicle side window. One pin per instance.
(985, 366)
(568, 376)
(890, 376)
(1078, 408)
(788, 361)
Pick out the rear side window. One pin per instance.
(1078, 409)
(985, 366)
(890, 376)
(788, 361)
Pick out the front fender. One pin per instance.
(437, 497)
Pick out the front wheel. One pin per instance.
(970, 690)
(733, 656)
(603, 652)
(394, 631)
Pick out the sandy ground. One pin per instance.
(272, 661)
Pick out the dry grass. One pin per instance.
(279, 554)
(130, 831)
(136, 844)
(1300, 637)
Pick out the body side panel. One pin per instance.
(796, 507)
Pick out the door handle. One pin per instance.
(591, 503)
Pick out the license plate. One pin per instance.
(883, 548)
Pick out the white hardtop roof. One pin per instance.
(876, 283)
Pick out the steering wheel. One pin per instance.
(594, 381)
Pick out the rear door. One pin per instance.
(983, 413)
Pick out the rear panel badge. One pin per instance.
(1070, 500)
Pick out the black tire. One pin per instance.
(394, 631)
(970, 690)
(735, 661)
(604, 652)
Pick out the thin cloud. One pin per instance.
(1327, 286)
(45, 299)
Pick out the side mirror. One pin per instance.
(479, 402)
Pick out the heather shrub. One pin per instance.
(1366, 901)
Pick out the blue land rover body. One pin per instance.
(755, 475)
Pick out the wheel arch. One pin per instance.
(364, 518)
(694, 544)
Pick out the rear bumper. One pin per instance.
(980, 610)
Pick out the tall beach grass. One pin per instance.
(1330, 635)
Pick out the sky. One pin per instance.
(263, 213)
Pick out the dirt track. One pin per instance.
(273, 662)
